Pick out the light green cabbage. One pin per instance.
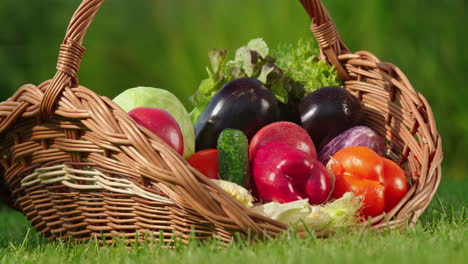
(163, 99)
(332, 216)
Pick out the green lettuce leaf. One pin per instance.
(302, 63)
(260, 46)
(290, 71)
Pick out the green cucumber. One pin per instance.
(233, 156)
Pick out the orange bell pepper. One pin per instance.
(380, 181)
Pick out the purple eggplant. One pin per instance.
(327, 112)
(356, 136)
(244, 104)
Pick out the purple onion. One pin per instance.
(356, 136)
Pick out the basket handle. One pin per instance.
(327, 36)
(71, 50)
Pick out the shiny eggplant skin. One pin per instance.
(244, 104)
(327, 112)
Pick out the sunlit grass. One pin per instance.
(439, 237)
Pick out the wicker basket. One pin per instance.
(78, 166)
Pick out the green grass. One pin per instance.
(439, 237)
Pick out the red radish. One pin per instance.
(161, 123)
(284, 174)
(287, 132)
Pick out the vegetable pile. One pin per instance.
(277, 132)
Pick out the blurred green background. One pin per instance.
(164, 44)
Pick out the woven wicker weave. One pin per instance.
(78, 166)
